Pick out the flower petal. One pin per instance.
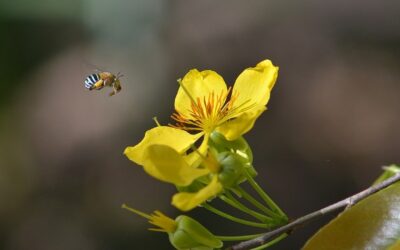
(254, 85)
(196, 157)
(199, 85)
(166, 164)
(187, 201)
(175, 138)
(240, 125)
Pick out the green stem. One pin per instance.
(272, 242)
(233, 218)
(255, 202)
(235, 203)
(237, 238)
(264, 195)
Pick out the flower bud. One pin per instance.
(232, 169)
(238, 146)
(183, 232)
(190, 234)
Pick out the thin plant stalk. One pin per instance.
(237, 238)
(235, 219)
(236, 204)
(272, 242)
(256, 203)
(264, 195)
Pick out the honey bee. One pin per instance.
(102, 79)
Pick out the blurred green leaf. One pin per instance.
(389, 172)
(373, 223)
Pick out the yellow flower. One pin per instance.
(183, 232)
(202, 105)
(202, 102)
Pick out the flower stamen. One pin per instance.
(209, 112)
(158, 219)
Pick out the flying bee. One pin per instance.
(102, 79)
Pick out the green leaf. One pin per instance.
(373, 223)
(389, 172)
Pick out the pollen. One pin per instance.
(208, 113)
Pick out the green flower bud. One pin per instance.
(184, 232)
(238, 146)
(190, 234)
(232, 169)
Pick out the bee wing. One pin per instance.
(91, 67)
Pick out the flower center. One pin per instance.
(208, 113)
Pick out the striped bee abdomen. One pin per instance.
(91, 80)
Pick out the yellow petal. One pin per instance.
(187, 201)
(166, 164)
(196, 157)
(175, 138)
(240, 125)
(198, 85)
(254, 85)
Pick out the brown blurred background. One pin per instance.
(333, 118)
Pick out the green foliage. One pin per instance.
(389, 172)
(373, 223)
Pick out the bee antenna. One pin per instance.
(119, 75)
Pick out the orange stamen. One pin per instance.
(207, 113)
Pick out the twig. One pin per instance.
(303, 220)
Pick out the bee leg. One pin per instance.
(114, 91)
(116, 88)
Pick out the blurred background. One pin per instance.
(333, 118)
